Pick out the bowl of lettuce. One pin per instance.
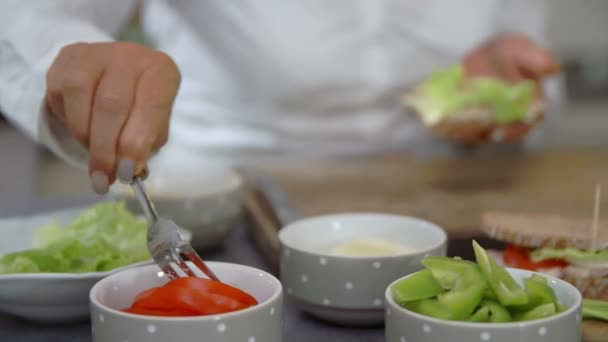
(49, 262)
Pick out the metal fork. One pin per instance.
(165, 242)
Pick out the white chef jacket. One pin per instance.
(262, 77)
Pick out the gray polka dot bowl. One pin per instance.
(349, 290)
(205, 198)
(261, 323)
(403, 325)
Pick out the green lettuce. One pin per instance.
(103, 237)
(595, 309)
(448, 91)
(571, 255)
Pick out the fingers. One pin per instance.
(147, 127)
(71, 83)
(526, 58)
(113, 101)
(537, 62)
(511, 72)
(512, 57)
(476, 65)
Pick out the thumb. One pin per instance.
(537, 63)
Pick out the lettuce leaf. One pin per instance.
(449, 91)
(595, 309)
(571, 255)
(103, 237)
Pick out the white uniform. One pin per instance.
(263, 77)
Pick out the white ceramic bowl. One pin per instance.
(403, 325)
(37, 296)
(350, 290)
(261, 323)
(204, 198)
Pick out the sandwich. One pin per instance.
(555, 245)
(564, 247)
(474, 110)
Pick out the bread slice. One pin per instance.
(593, 283)
(543, 230)
(595, 331)
(476, 124)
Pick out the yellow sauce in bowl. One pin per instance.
(369, 248)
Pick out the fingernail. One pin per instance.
(126, 170)
(100, 182)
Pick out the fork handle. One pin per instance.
(144, 200)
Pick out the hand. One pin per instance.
(514, 58)
(116, 100)
(511, 57)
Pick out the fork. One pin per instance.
(166, 245)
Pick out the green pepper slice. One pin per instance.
(418, 286)
(498, 313)
(538, 278)
(595, 309)
(464, 280)
(466, 294)
(430, 307)
(448, 271)
(481, 315)
(507, 290)
(539, 292)
(541, 311)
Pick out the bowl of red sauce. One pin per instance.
(142, 304)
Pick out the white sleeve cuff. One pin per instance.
(23, 82)
(58, 139)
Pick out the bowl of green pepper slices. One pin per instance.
(458, 300)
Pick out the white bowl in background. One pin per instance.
(203, 197)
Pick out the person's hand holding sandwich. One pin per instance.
(495, 94)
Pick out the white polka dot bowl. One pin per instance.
(403, 325)
(260, 323)
(349, 290)
(205, 198)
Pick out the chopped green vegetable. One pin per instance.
(421, 285)
(447, 271)
(504, 286)
(488, 293)
(462, 302)
(571, 255)
(449, 91)
(498, 313)
(455, 289)
(515, 104)
(103, 237)
(482, 315)
(539, 292)
(541, 311)
(595, 309)
(538, 278)
(430, 307)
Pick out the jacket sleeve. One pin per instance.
(530, 18)
(33, 33)
(523, 16)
